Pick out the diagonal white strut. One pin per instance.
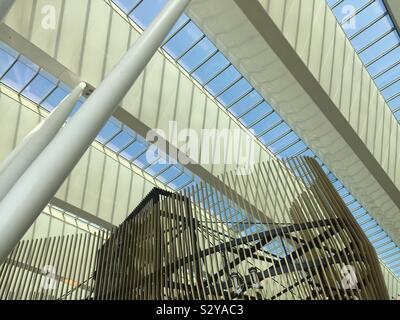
(19, 160)
(36, 187)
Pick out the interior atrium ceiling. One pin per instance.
(207, 60)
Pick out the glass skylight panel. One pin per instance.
(379, 238)
(275, 133)
(372, 223)
(134, 150)
(198, 55)
(213, 66)
(157, 168)
(364, 219)
(373, 230)
(382, 242)
(40, 87)
(294, 150)
(394, 103)
(142, 160)
(126, 5)
(109, 131)
(384, 62)
(7, 58)
(20, 74)
(380, 251)
(181, 181)
(275, 246)
(55, 98)
(268, 122)
(253, 114)
(372, 34)
(120, 142)
(391, 261)
(340, 10)
(278, 145)
(332, 2)
(389, 76)
(247, 103)
(370, 13)
(235, 92)
(182, 21)
(169, 175)
(391, 91)
(221, 82)
(358, 213)
(389, 41)
(146, 11)
(348, 200)
(183, 40)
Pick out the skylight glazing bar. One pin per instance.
(212, 55)
(336, 4)
(30, 81)
(278, 138)
(228, 87)
(249, 91)
(390, 255)
(127, 146)
(10, 67)
(49, 93)
(217, 74)
(113, 136)
(359, 10)
(170, 37)
(191, 47)
(257, 121)
(266, 131)
(393, 97)
(383, 54)
(385, 70)
(369, 25)
(369, 45)
(134, 8)
(288, 146)
(390, 83)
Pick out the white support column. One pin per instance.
(5, 6)
(28, 197)
(19, 160)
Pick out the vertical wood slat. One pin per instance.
(188, 245)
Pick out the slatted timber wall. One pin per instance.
(280, 231)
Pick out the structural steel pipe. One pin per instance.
(19, 160)
(31, 193)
